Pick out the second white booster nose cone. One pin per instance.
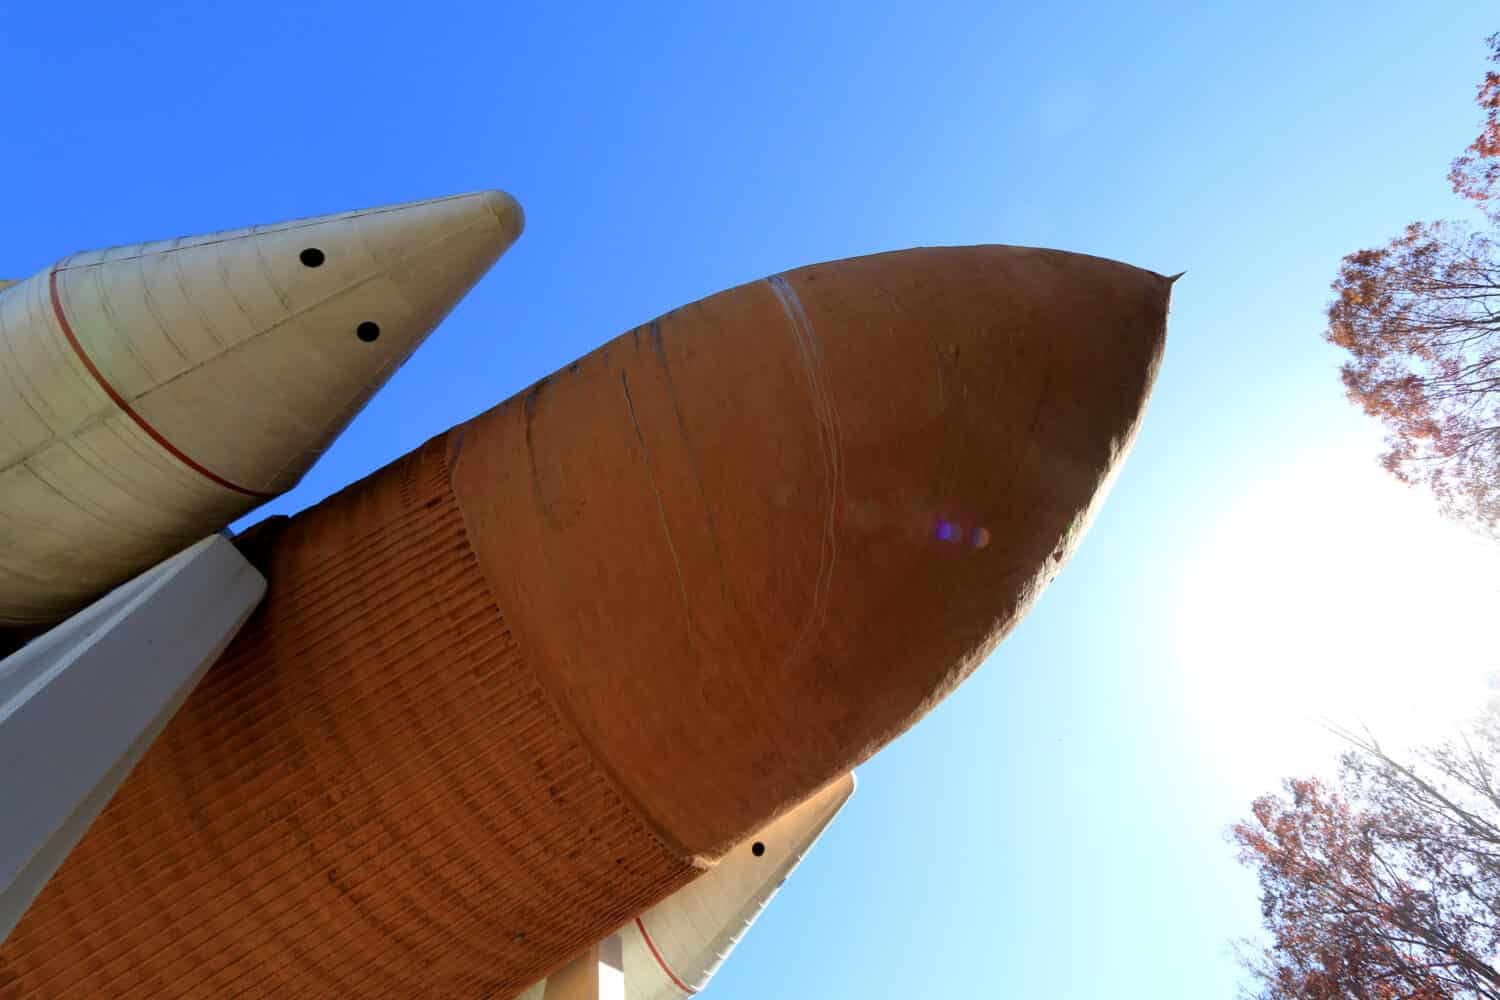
(672, 950)
(152, 393)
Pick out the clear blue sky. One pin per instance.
(1056, 828)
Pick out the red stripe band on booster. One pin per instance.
(684, 987)
(119, 401)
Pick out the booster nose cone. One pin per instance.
(507, 210)
(272, 338)
(678, 945)
(163, 389)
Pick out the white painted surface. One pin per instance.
(81, 704)
(674, 948)
(611, 969)
(150, 394)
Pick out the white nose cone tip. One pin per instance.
(160, 390)
(250, 350)
(674, 948)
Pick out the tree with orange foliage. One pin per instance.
(1421, 317)
(1476, 174)
(1386, 885)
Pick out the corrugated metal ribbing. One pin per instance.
(316, 824)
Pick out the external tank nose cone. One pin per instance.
(750, 543)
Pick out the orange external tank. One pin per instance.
(521, 684)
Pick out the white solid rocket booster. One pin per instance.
(150, 394)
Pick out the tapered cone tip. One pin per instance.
(684, 939)
(166, 388)
(384, 280)
(507, 210)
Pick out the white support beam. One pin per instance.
(596, 974)
(80, 704)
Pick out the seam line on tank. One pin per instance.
(661, 507)
(119, 400)
(662, 961)
(805, 338)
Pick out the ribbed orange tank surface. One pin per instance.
(408, 850)
(524, 683)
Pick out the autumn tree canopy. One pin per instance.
(1476, 174)
(1386, 883)
(1421, 318)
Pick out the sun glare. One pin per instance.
(1332, 593)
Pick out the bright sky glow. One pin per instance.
(1055, 829)
(1330, 593)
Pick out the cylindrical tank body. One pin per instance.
(510, 691)
(150, 394)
